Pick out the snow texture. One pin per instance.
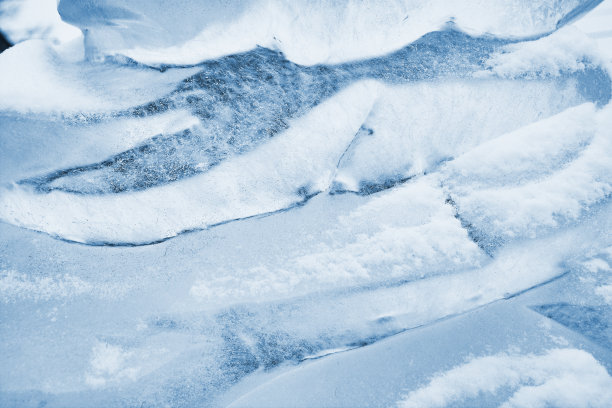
(560, 378)
(287, 203)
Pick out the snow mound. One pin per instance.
(326, 32)
(22, 20)
(560, 378)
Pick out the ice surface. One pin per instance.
(391, 203)
(307, 33)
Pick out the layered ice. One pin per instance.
(357, 198)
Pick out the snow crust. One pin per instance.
(235, 189)
(533, 202)
(22, 20)
(394, 211)
(307, 33)
(561, 378)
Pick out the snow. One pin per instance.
(561, 378)
(536, 205)
(605, 291)
(416, 127)
(22, 20)
(267, 179)
(36, 78)
(29, 70)
(567, 49)
(415, 235)
(397, 203)
(307, 33)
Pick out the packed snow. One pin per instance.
(257, 203)
(560, 378)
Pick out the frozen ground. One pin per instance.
(397, 204)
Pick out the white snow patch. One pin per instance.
(30, 81)
(560, 378)
(307, 33)
(417, 126)
(527, 154)
(539, 201)
(605, 291)
(23, 20)
(109, 364)
(566, 50)
(596, 265)
(36, 78)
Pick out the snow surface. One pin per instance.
(560, 378)
(342, 204)
(22, 20)
(307, 33)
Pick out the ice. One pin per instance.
(243, 100)
(326, 32)
(395, 247)
(407, 363)
(244, 134)
(285, 204)
(590, 321)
